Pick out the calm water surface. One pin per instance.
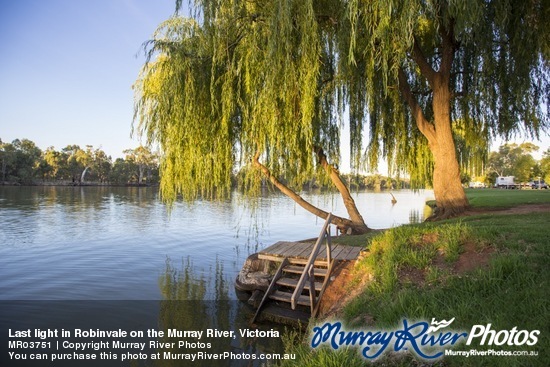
(107, 258)
(103, 243)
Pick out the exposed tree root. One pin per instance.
(442, 213)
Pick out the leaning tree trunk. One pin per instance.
(83, 175)
(344, 225)
(349, 203)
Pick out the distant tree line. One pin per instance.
(22, 162)
(356, 181)
(375, 182)
(514, 160)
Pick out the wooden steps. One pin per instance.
(300, 269)
(284, 283)
(286, 297)
(314, 274)
(293, 282)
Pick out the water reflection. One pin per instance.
(105, 243)
(415, 216)
(104, 248)
(195, 303)
(29, 214)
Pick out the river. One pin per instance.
(122, 247)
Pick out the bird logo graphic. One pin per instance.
(439, 325)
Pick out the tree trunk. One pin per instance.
(343, 224)
(449, 194)
(83, 174)
(349, 203)
(140, 174)
(4, 166)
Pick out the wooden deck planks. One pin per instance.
(283, 249)
(350, 253)
(277, 246)
(336, 251)
(296, 250)
(306, 251)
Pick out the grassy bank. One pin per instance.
(501, 198)
(483, 269)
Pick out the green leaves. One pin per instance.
(243, 82)
(276, 78)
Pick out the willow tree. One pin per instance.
(242, 90)
(481, 64)
(263, 85)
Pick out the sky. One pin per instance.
(67, 67)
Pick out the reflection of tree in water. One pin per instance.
(182, 285)
(193, 302)
(418, 216)
(415, 216)
(186, 308)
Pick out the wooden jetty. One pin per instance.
(300, 251)
(303, 273)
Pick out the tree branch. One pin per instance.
(349, 203)
(424, 126)
(342, 223)
(448, 45)
(425, 68)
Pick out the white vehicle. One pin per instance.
(476, 185)
(506, 182)
(536, 184)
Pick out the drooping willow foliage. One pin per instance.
(499, 74)
(277, 78)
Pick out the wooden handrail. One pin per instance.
(271, 287)
(325, 232)
(329, 247)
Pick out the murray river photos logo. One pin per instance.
(427, 340)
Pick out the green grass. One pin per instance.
(512, 290)
(411, 247)
(357, 240)
(501, 198)
(479, 198)
(322, 357)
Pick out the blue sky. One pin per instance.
(67, 68)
